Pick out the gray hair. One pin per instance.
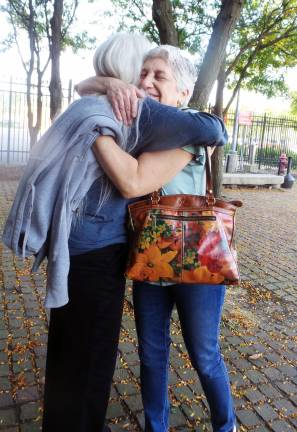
(121, 56)
(182, 68)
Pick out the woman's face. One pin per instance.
(158, 81)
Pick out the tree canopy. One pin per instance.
(262, 46)
(45, 24)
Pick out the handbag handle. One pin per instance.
(209, 183)
(210, 199)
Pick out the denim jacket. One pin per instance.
(62, 168)
(59, 173)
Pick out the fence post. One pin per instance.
(262, 140)
(233, 157)
(9, 121)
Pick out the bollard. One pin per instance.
(288, 179)
(232, 162)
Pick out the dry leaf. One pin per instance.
(256, 356)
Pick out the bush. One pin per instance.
(272, 155)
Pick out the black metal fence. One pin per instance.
(14, 133)
(261, 139)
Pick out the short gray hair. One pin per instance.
(121, 56)
(183, 69)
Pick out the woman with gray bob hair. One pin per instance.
(168, 77)
(117, 63)
(109, 61)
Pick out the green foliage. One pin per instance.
(78, 41)
(38, 24)
(227, 148)
(272, 154)
(263, 46)
(7, 42)
(267, 84)
(135, 16)
(294, 103)
(193, 20)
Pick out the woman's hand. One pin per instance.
(124, 99)
(122, 96)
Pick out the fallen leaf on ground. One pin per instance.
(256, 356)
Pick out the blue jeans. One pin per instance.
(199, 308)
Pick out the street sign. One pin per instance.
(245, 118)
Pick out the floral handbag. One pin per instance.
(183, 238)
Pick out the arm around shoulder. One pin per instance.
(138, 177)
(168, 127)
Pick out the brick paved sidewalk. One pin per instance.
(259, 335)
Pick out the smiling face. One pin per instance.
(158, 81)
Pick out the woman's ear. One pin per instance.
(184, 96)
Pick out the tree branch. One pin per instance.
(70, 21)
(240, 79)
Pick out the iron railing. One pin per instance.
(14, 133)
(261, 139)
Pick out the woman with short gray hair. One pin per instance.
(184, 72)
(169, 77)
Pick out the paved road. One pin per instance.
(259, 335)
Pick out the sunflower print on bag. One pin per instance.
(205, 257)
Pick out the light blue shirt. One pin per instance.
(191, 180)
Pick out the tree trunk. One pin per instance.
(219, 104)
(218, 155)
(55, 86)
(222, 29)
(34, 129)
(163, 17)
(29, 72)
(39, 100)
(30, 111)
